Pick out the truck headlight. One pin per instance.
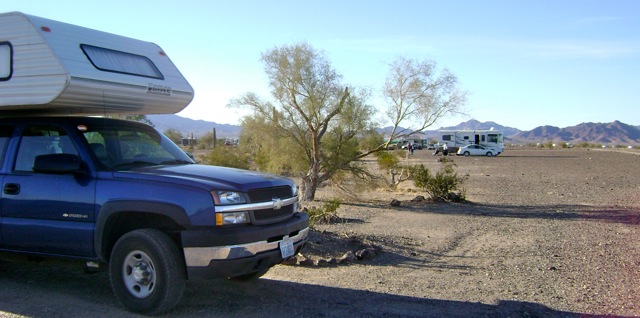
(294, 192)
(228, 197)
(232, 218)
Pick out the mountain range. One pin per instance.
(191, 127)
(615, 133)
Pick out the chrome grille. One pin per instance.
(263, 215)
(266, 195)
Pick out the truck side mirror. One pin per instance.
(57, 163)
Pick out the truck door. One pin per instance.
(46, 212)
(5, 136)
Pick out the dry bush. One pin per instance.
(438, 186)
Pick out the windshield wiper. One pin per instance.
(135, 163)
(176, 162)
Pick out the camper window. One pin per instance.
(121, 62)
(493, 137)
(446, 137)
(6, 61)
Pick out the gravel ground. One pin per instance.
(545, 233)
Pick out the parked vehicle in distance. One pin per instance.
(476, 150)
(456, 139)
(396, 144)
(414, 145)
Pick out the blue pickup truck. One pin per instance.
(120, 196)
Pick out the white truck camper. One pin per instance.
(454, 139)
(50, 67)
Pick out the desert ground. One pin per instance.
(543, 233)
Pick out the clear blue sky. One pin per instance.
(525, 63)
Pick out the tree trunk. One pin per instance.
(308, 190)
(310, 183)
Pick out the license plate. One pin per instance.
(286, 247)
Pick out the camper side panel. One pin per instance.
(36, 75)
(118, 91)
(66, 69)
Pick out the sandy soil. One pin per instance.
(551, 233)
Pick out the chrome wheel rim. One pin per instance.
(139, 274)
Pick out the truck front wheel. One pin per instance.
(147, 272)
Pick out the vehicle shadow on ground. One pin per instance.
(38, 291)
(553, 212)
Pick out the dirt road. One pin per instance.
(551, 233)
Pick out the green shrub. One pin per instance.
(388, 160)
(585, 144)
(438, 186)
(325, 213)
(228, 157)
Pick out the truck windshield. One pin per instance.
(128, 147)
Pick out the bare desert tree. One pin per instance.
(311, 127)
(417, 94)
(316, 125)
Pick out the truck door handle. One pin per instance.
(11, 188)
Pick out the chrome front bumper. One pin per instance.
(203, 256)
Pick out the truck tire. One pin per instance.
(147, 272)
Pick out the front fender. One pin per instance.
(110, 209)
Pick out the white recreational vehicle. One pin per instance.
(454, 139)
(50, 67)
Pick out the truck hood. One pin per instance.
(208, 177)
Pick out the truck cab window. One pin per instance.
(5, 135)
(41, 140)
(125, 147)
